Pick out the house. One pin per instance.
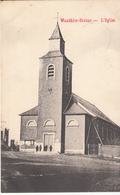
(62, 121)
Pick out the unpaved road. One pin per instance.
(24, 172)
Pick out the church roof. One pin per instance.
(78, 105)
(52, 54)
(31, 112)
(56, 33)
(75, 109)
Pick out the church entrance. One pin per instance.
(48, 142)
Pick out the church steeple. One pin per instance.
(55, 86)
(56, 33)
(57, 42)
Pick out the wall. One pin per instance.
(108, 132)
(67, 85)
(109, 150)
(66, 94)
(28, 132)
(54, 94)
(50, 102)
(75, 136)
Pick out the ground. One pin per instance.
(35, 172)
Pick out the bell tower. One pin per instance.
(56, 41)
(55, 85)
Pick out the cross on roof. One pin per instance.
(57, 17)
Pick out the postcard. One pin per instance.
(60, 96)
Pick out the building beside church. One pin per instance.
(62, 121)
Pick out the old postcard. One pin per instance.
(60, 91)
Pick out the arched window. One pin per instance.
(49, 123)
(51, 71)
(31, 123)
(67, 74)
(72, 123)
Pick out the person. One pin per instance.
(45, 148)
(50, 148)
(40, 147)
(36, 148)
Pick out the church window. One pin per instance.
(31, 123)
(72, 123)
(51, 71)
(67, 74)
(49, 122)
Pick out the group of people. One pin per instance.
(46, 148)
(38, 148)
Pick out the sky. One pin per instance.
(93, 47)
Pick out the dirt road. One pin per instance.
(24, 172)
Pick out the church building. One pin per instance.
(62, 122)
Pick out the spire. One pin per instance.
(56, 40)
(57, 17)
(56, 33)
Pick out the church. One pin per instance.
(63, 122)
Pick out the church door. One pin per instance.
(48, 142)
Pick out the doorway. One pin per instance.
(93, 149)
(48, 142)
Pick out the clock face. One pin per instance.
(50, 90)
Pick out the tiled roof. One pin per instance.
(31, 112)
(86, 106)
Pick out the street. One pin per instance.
(35, 172)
